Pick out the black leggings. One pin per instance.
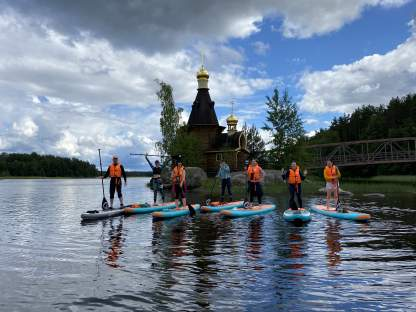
(256, 190)
(293, 190)
(158, 187)
(225, 183)
(115, 185)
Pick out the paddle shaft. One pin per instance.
(338, 203)
(152, 155)
(101, 169)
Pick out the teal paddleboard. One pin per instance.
(346, 215)
(222, 206)
(299, 216)
(149, 209)
(173, 213)
(247, 212)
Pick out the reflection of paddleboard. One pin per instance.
(213, 207)
(149, 209)
(254, 210)
(173, 213)
(300, 215)
(347, 215)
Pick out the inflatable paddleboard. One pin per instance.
(301, 215)
(102, 214)
(346, 215)
(173, 213)
(246, 212)
(217, 207)
(148, 209)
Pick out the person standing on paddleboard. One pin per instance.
(224, 173)
(294, 177)
(116, 171)
(255, 176)
(331, 175)
(179, 183)
(156, 180)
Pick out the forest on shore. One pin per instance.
(397, 119)
(35, 165)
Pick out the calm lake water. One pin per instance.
(50, 261)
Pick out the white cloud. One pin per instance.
(160, 25)
(87, 95)
(304, 19)
(310, 133)
(260, 47)
(310, 121)
(25, 127)
(372, 80)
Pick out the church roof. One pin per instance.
(203, 112)
(227, 141)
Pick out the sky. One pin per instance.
(77, 75)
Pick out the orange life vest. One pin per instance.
(330, 173)
(178, 174)
(115, 171)
(294, 176)
(254, 173)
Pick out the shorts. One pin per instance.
(179, 192)
(331, 186)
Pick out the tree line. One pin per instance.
(397, 119)
(35, 165)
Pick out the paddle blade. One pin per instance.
(104, 204)
(192, 211)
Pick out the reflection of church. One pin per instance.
(216, 144)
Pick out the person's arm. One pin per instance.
(107, 173)
(338, 173)
(285, 175)
(149, 162)
(183, 177)
(123, 173)
(327, 178)
(302, 175)
(219, 173)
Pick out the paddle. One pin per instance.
(338, 206)
(104, 203)
(192, 211)
(208, 201)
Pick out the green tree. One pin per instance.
(188, 146)
(255, 143)
(285, 126)
(169, 118)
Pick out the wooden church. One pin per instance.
(216, 144)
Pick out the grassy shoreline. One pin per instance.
(384, 185)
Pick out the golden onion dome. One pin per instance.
(202, 73)
(232, 119)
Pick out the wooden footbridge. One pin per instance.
(366, 152)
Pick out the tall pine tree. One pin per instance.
(285, 126)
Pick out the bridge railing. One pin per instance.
(366, 152)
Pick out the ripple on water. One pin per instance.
(52, 261)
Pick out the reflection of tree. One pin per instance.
(295, 245)
(254, 246)
(333, 242)
(116, 242)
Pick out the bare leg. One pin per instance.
(328, 198)
(177, 203)
(184, 202)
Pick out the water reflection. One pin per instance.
(333, 237)
(296, 245)
(50, 262)
(255, 241)
(116, 240)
